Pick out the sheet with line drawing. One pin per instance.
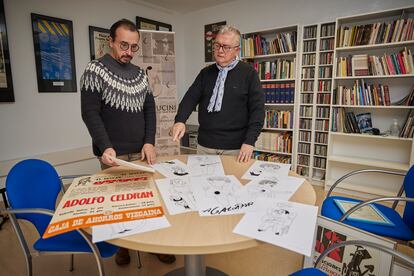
(122, 229)
(275, 187)
(220, 195)
(204, 165)
(286, 224)
(171, 168)
(264, 168)
(177, 195)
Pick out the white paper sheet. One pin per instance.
(275, 187)
(220, 195)
(204, 165)
(122, 229)
(171, 168)
(131, 165)
(264, 168)
(286, 224)
(177, 195)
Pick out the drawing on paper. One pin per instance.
(205, 165)
(171, 168)
(263, 168)
(263, 188)
(181, 194)
(221, 190)
(124, 227)
(278, 220)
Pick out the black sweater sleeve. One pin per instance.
(190, 100)
(150, 119)
(256, 109)
(91, 115)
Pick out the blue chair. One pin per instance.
(403, 228)
(32, 187)
(314, 271)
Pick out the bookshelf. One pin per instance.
(315, 100)
(273, 53)
(371, 86)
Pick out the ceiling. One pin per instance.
(181, 6)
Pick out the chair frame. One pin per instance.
(407, 259)
(395, 199)
(28, 254)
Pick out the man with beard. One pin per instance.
(118, 107)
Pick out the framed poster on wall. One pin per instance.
(210, 32)
(149, 24)
(98, 42)
(54, 54)
(6, 81)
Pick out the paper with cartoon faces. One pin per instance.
(264, 168)
(122, 229)
(276, 187)
(220, 195)
(171, 168)
(204, 165)
(286, 224)
(177, 195)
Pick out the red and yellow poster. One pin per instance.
(105, 198)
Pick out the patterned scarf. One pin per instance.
(218, 91)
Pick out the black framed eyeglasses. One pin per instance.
(226, 48)
(125, 46)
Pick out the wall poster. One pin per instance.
(6, 81)
(157, 57)
(210, 32)
(54, 54)
(98, 42)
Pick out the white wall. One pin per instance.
(250, 16)
(47, 122)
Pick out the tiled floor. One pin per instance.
(262, 260)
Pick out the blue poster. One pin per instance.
(54, 42)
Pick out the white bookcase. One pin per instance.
(315, 98)
(352, 151)
(280, 88)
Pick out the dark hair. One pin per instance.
(125, 23)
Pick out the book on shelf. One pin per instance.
(279, 119)
(376, 33)
(400, 63)
(278, 142)
(368, 213)
(279, 93)
(362, 93)
(278, 69)
(407, 130)
(256, 44)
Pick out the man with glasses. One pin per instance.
(230, 102)
(118, 107)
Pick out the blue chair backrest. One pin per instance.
(33, 183)
(408, 216)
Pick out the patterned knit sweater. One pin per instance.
(117, 106)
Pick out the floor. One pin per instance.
(262, 260)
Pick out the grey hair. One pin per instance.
(230, 29)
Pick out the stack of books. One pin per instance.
(257, 45)
(278, 69)
(279, 92)
(362, 94)
(278, 119)
(407, 130)
(382, 32)
(347, 122)
(271, 157)
(393, 64)
(279, 142)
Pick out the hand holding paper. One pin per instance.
(130, 164)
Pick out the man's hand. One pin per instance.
(178, 131)
(148, 152)
(106, 157)
(245, 154)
